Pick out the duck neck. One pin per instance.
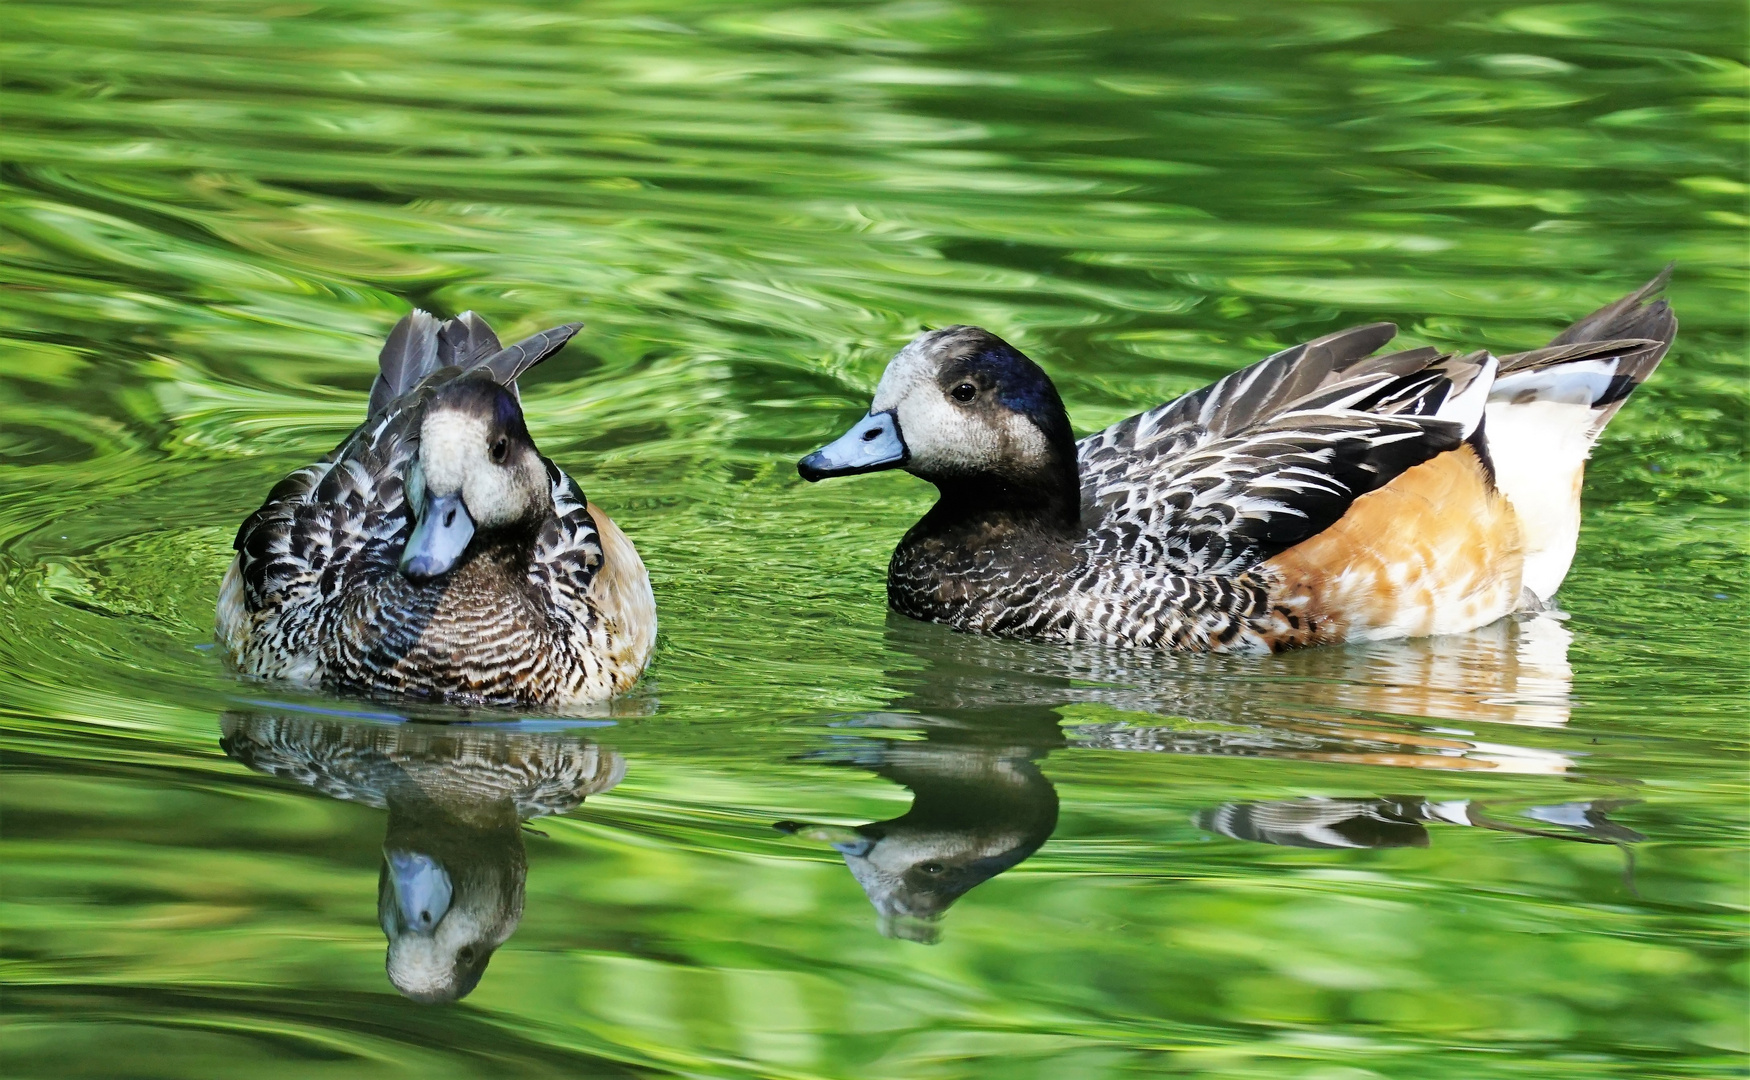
(1048, 501)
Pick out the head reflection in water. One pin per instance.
(449, 893)
(977, 810)
(450, 888)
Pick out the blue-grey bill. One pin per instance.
(439, 537)
(873, 443)
(856, 848)
(422, 890)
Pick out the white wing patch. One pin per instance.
(1574, 384)
(1465, 408)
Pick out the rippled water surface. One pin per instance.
(1516, 853)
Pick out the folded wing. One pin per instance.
(1269, 456)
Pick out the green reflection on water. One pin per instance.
(212, 213)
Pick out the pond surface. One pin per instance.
(1515, 853)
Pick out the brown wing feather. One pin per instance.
(622, 596)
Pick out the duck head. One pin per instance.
(477, 478)
(965, 410)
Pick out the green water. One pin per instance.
(214, 210)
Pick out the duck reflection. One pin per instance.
(1400, 821)
(450, 889)
(982, 715)
(1379, 704)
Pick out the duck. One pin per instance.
(1328, 493)
(453, 872)
(435, 553)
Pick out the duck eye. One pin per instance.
(932, 868)
(465, 954)
(965, 392)
(499, 449)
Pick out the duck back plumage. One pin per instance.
(1223, 478)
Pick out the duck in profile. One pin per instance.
(451, 883)
(1324, 494)
(435, 552)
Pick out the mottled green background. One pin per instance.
(214, 210)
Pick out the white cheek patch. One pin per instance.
(427, 965)
(1025, 444)
(493, 495)
(939, 436)
(451, 445)
(908, 369)
(944, 437)
(453, 459)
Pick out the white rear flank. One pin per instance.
(1548, 408)
(1578, 383)
(1539, 449)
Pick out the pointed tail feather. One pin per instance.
(1547, 409)
(464, 340)
(1625, 318)
(409, 355)
(420, 345)
(511, 362)
(1598, 360)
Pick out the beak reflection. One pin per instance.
(422, 890)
